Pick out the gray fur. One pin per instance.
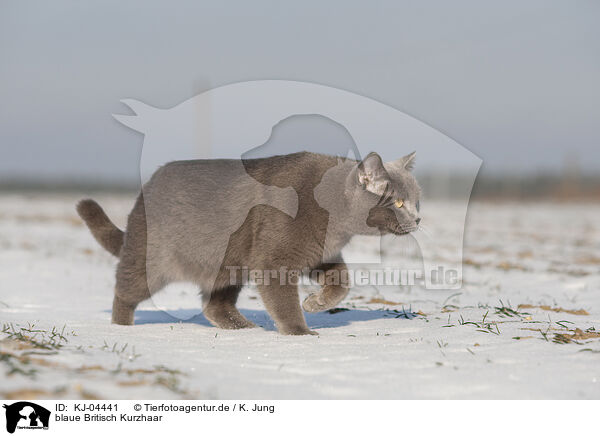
(102, 228)
(297, 211)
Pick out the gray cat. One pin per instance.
(208, 221)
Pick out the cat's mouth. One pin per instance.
(388, 223)
(401, 231)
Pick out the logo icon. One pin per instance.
(26, 415)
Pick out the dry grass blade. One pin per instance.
(553, 309)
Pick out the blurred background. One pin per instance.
(514, 82)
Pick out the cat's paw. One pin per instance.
(229, 321)
(297, 331)
(314, 303)
(301, 332)
(244, 324)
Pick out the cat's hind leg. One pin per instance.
(220, 310)
(136, 279)
(133, 285)
(130, 290)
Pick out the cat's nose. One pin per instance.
(418, 220)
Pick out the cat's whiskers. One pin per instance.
(424, 230)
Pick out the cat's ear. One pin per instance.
(372, 175)
(407, 162)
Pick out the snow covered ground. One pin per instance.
(479, 342)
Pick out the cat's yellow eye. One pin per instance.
(398, 203)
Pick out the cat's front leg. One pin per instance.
(333, 278)
(283, 305)
(219, 308)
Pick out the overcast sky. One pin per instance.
(516, 82)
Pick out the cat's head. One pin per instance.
(384, 198)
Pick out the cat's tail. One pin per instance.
(104, 231)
